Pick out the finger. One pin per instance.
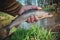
(28, 20)
(32, 18)
(32, 7)
(25, 8)
(35, 18)
(36, 7)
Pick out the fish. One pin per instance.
(23, 17)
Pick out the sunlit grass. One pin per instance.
(33, 33)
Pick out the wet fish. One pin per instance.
(23, 17)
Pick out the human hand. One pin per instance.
(31, 18)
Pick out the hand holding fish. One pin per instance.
(32, 18)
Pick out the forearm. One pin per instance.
(10, 6)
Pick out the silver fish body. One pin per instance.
(23, 17)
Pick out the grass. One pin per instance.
(48, 8)
(33, 33)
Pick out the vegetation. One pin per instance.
(5, 19)
(33, 33)
(49, 8)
